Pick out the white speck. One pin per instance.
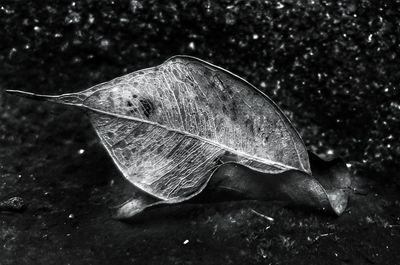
(91, 18)
(255, 37)
(36, 28)
(191, 45)
(73, 18)
(329, 152)
(395, 106)
(263, 215)
(19, 176)
(105, 44)
(186, 241)
(136, 6)
(348, 165)
(370, 37)
(230, 19)
(81, 151)
(12, 52)
(71, 216)
(336, 254)
(124, 20)
(263, 84)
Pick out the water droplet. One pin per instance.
(208, 7)
(136, 6)
(73, 18)
(91, 18)
(124, 20)
(192, 46)
(230, 19)
(242, 44)
(105, 44)
(12, 52)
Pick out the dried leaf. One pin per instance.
(172, 127)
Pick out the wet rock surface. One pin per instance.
(331, 66)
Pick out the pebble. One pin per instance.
(14, 204)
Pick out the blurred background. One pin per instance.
(332, 66)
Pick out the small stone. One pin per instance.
(14, 204)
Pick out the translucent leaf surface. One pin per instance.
(169, 127)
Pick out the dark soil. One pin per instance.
(332, 66)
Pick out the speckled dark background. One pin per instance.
(332, 66)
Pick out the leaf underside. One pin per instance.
(169, 127)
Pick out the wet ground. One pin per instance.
(332, 67)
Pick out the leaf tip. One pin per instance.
(28, 94)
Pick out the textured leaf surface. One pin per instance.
(166, 126)
(169, 127)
